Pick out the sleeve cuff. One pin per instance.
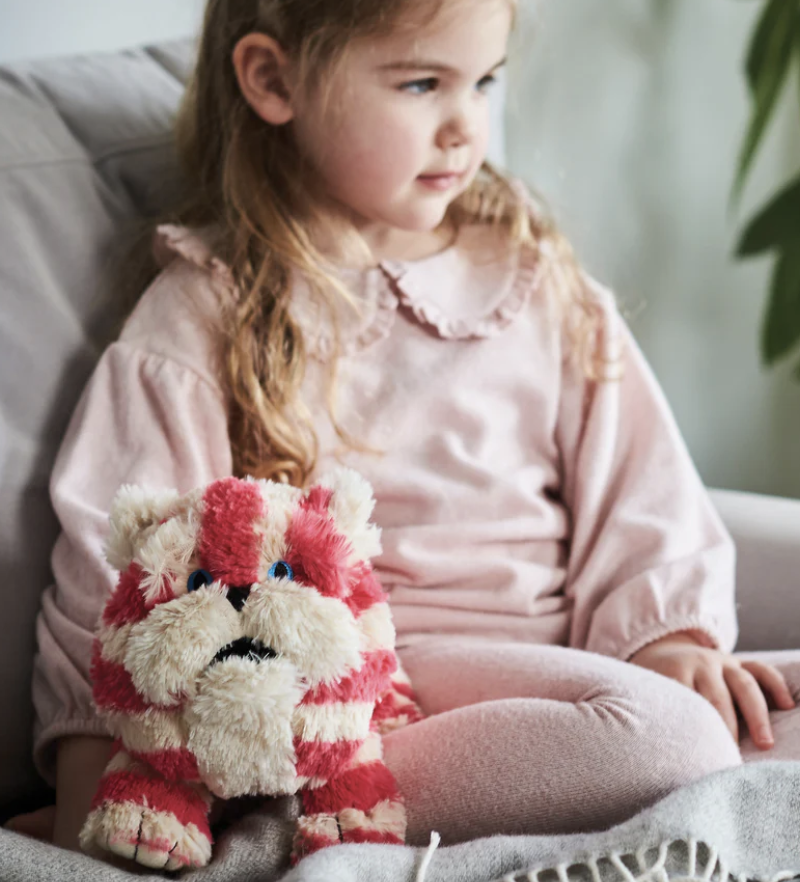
(44, 748)
(708, 630)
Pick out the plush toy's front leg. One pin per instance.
(140, 815)
(361, 804)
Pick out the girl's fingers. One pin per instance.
(711, 685)
(773, 681)
(752, 703)
(38, 824)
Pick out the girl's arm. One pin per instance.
(152, 414)
(81, 760)
(651, 568)
(649, 555)
(143, 419)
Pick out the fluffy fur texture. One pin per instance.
(247, 649)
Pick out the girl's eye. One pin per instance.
(198, 579)
(281, 570)
(420, 87)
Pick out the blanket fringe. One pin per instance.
(706, 867)
(428, 856)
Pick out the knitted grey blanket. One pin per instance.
(732, 826)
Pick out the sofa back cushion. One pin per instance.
(84, 150)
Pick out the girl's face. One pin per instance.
(405, 110)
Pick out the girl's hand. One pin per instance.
(38, 824)
(722, 679)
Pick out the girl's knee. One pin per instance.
(689, 739)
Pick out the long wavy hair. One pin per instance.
(246, 180)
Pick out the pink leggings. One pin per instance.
(545, 739)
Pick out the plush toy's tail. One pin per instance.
(140, 815)
(398, 707)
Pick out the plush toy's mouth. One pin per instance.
(245, 647)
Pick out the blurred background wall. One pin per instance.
(627, 116)
(38, 28)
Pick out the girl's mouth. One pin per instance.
(440, 182)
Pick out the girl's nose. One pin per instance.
(460, 129)
(456, 133)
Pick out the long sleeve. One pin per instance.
(143, 418)
(649, 556)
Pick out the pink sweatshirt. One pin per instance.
(518, 501)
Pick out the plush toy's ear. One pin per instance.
(134, 512)
(350, 507)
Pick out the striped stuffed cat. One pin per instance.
(247, 649)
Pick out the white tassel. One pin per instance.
(423, 867)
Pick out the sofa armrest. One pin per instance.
(766, 530)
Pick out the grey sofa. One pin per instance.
(85, 150)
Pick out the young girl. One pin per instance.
(352, 283)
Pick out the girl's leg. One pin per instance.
(544, 739)
(785, 724)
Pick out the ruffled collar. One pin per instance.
(472, 289)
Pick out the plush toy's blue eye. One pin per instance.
(198, 579)
(281, 570)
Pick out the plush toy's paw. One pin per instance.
(152, 838)
(313, 833)
(385, 823)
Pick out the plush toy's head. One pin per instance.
(246, 632)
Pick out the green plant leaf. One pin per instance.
(758, 51)
(781, 329)
(777, 225)
(767, 65)
(797, 42)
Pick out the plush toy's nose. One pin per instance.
(237, 596)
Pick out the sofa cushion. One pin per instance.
(84, 150)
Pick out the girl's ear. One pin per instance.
(263, 72)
